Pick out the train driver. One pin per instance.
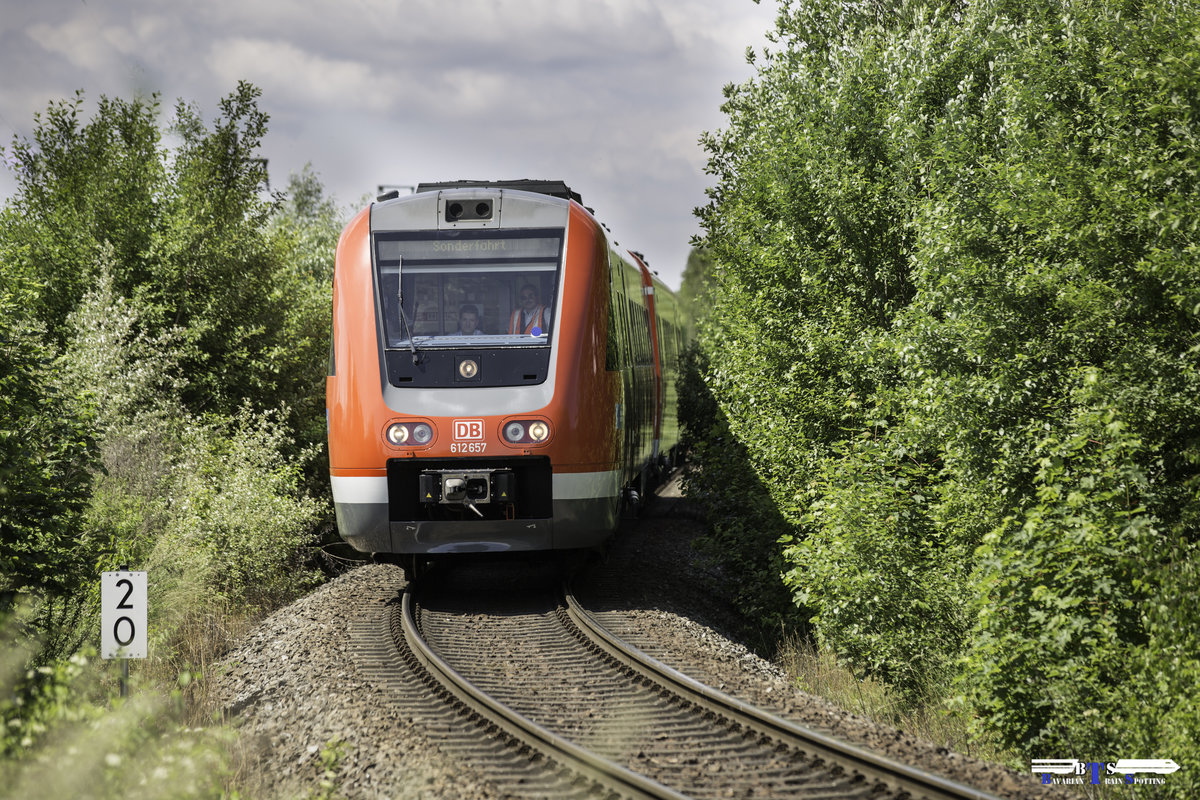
(531, 314)
(468, 322)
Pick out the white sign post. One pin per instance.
(123, 619)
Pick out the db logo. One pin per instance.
(468, 430)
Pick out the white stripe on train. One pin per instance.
(567, 486)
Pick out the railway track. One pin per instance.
(546, 702)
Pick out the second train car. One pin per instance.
(502, 375)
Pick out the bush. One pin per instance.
(743, 523)
(956, 308)
(46, 456)
(883, 582)
(142, 748)
(157, 326)
(1061, 596)
(237, 528)
(1166, 669)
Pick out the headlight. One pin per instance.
(468, 368)
(526, 431)
(409, 434)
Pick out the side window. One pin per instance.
(634, 351)
(646, 355)
(616, 307)
(612, 360)
(332, 370)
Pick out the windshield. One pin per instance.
(462, 288)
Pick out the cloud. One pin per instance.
(532, 31)
(295, 76)
(609, 95)
(84, 41)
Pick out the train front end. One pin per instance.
(468, 409)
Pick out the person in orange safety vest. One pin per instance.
(531, 314)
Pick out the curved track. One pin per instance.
(833, 753)
(592, 716)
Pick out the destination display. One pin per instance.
(466, 249)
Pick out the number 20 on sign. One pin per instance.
(123, 614)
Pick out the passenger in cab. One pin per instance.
(468, 322)
(531, 314)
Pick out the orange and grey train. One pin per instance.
(502, 376)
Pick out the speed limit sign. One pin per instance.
(123, 614)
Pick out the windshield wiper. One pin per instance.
(412, 341)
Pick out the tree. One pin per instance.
(158, 306)
(185, 230)
(46, 454)
(955, 331)
(304, 229)
(694, 291)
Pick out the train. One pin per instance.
(502, 375)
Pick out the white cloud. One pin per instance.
(83, 41)
(609, 95)
(294, 76)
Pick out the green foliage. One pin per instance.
(1167, 666)
(171, 294)
(130, 371)
(1061, 593)
(39, 701)
(811, 268)
(80, 187)
(56, 715)
(183, 233)
(744, 524)
(238, 530)
(46, 453)
(331, 758)
(955, 332)
(695, 285)
(163, 333)
(218, 269)
(304, 231)
(882, 580)
(212, 505)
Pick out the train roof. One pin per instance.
(551, 188)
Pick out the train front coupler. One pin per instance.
(468, 488)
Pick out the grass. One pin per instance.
(939, 721)
(65, 732)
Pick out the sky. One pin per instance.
(610, 96)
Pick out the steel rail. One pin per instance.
(855, 759)
(588, 764)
